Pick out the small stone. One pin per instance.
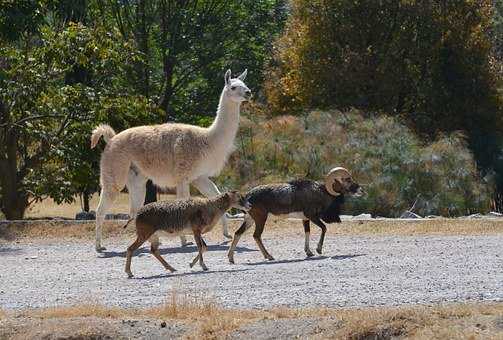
(85, 215)
(409, 214)
(163, 324)
(495, 214)
(362, 217)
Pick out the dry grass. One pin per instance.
(274, 227)
(210, 321)
(48, 208)
(409, 227)
(82, 310)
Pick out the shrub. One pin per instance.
(428, 62)
(383, 154)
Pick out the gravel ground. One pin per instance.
(354, 271)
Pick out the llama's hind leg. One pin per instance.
(183, 192)
(209, 189)
(136, 187)
(107, 198)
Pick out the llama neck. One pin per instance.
(225, 126)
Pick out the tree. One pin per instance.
(44, 122)
(187, 45)
(426, 61)
(497, 29)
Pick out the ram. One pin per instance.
(309, 200)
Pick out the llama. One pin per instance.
(171, 155)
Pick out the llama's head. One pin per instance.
(235, 88)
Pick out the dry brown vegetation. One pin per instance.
(48, 207)
(206, 319)
(85, 229)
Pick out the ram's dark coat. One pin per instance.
(306, 196)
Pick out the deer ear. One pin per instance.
(242, 76)
(337, 186)
(227, 77)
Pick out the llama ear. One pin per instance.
(227, 77)
(242, 76)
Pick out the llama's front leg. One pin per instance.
(183, 192)
(209, 189)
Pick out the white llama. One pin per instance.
(171, 155)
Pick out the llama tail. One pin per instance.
(102, 130)
(125, 225)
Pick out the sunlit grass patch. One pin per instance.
(207, 319)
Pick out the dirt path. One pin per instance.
(354, 271)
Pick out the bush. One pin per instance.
(428, 62)
(383, 155)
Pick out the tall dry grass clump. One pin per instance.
(211, 319)
(385, 155)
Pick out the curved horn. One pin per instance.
(331, 177)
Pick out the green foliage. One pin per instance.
(497, 29)
(48, 116)
(188, 45)
(383, 155)
(131, 61)
(426, 61)
(19, 17)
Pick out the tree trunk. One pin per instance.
(151, 195)
(14, 197)
(168, 91)
(85, 198)
(15, 206)
(498, 199)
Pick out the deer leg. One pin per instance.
(257, 235)
(237, 235)
(201, 247)
(130, 250)
(323, 228)
(154, 249)
(209, 189)
(307, 231)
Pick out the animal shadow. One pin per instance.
(10, 251)
(314, 258)
(176, 274)
(173, 250)
(345, 257)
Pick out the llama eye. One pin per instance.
(233, 88)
